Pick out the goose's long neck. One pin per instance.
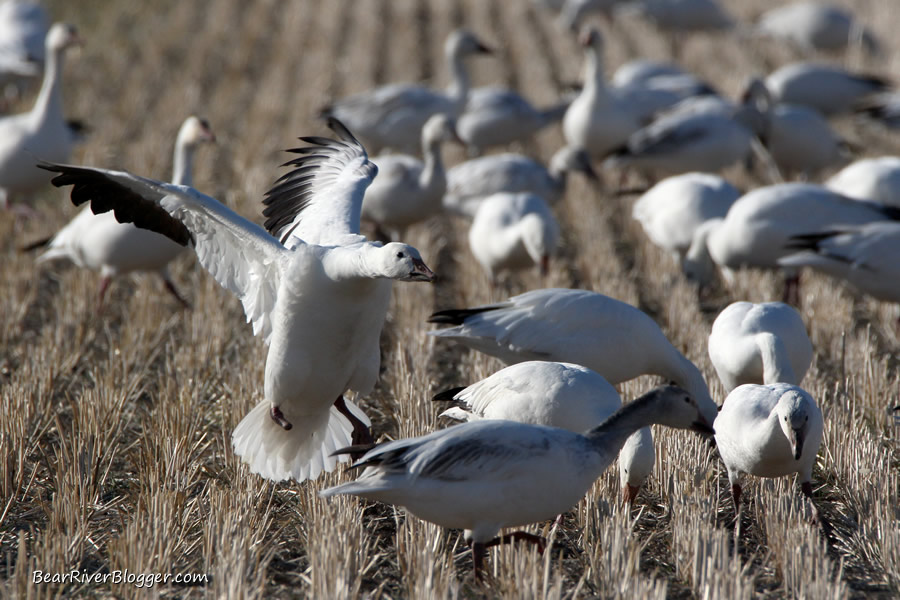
(594, 76)
(183, 162)
(49, 100)
(433, 173)
(776, 364)
(611, 435)
(458, 89)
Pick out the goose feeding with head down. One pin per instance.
(100, 243)
(314, 289)
(408, 190)
(865, 256)
(759, 343)
(672, 210)
(758, 227)
(513, 231)
(611, 337)
(41, 133)
(554, 394)
(392, 116)
(491, 474)
(769, 430)
(470, 182)
(828, 89)
(497, 117)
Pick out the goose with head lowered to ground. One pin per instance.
(601, 333)
(557, 395)
(491, 474)
(315, 290)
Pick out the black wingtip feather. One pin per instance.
(458, 316)
(447, 395)
(291, 193)
(105, 194)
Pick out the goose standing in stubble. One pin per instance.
(315, 290)
(392, 116)
(99, 242)
(488, 475)
(769, 430)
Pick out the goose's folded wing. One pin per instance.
(238, 253)
(320, 201)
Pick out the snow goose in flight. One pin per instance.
(873, 179)
(470, 182)
(830, 90)
(598, 120)
(815, 26)
(611, 337)
(408, 190)
(557, 395)
(513, 231)
(99, 242)
(41, 132)
(392, 116)
(497, 117)
(759, 225)
(491, 474)
(759, 343)
(769, 430)
(319, 305)
(672, 210)
(865, 256)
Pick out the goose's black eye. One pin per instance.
(401, 255)
(687, 399)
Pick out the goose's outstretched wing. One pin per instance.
(238, 253)
(320, 201)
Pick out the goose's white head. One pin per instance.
(401, 262)
(676, 408)
(195, 130)
(794, 409)
(60, 37)
(463, 42)
(439, 128)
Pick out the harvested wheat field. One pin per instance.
(115, 434)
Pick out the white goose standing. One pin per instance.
(759, 343)
(408, 190)
(488, 475)
(315, 290)
(598, 120)
(769, 430)
(392, 116)
(607, 335)
(99, 242)
(554, 394)
(42, 132)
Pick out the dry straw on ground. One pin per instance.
(115, 429)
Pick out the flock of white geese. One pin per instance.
(538, 433)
